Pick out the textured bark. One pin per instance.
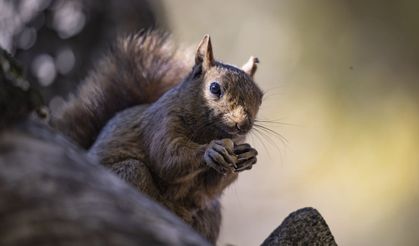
(52, 194)
(303, 227)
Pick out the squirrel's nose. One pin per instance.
(243, 126)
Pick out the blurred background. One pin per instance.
(341, 81)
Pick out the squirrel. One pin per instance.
(137, 69)
(180, 141)
(19, 101)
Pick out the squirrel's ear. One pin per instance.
(204, 53)
(251, 66)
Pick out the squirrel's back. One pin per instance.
(138, 69)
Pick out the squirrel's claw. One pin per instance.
(220, 156)
(246, 165)
(246, 157)
(223, 156)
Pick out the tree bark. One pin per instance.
(52, 194)
(303, 227)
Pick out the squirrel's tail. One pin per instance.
(137, 70)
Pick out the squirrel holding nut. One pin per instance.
(174, 131)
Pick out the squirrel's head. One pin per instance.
(230, 93)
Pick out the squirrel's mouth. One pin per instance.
(227, 131)
(234, 130)
(231, 130)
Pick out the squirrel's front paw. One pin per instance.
(220, 156)
(246, 157)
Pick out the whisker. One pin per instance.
(266, 129)
(268, 132)
(267, 138)
(255, 132)
(276, 122)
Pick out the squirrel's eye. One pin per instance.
(215, 88)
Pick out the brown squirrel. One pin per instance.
(303, 227)
(183, 149)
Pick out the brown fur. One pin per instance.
(137, 70)
(184, 149)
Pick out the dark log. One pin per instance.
(52, 194)
(303, 227)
